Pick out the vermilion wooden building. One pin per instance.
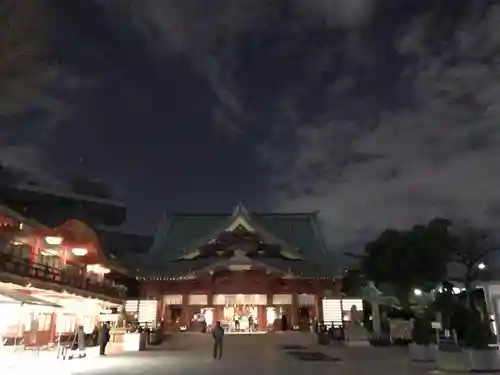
(244, 269)
(59, 272)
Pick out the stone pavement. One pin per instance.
(252, 354)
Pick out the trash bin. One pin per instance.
(323, 338)
(143, 340)
(156, 338)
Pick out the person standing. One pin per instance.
(103, 338)
(218, 336)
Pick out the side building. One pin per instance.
(247, 270)
(54, 271)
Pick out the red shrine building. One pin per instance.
(54, 277)
(246, 270)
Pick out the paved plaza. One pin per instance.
(250, 354)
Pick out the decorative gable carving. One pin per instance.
(240, 221)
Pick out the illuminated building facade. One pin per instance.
(244, 269)
(60, 275)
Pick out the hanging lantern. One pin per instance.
(54, 240)
(79, 251)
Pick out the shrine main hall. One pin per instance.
(246, 270)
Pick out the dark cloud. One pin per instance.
(439, 150)
(34, 87)
(379, 114)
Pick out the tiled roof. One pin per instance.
(178, 232)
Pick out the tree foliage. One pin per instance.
(472, 246)
(416, 258)
(352, 283)
(427, 255)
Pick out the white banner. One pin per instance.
(147, 311)
(172, 299)
(132, 306)
(348, 303)
(240, 299)
(198, 299)
(332, 311)
(282, 299)
(108, 317)
(306, 299)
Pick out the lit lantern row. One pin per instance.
(56, 241)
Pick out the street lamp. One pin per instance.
(481, 266)
(417, 292)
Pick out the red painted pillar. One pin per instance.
(319, 307)
(160, 309)
(52, 334)
(185, 311)
(294, 316)
(262, 318)
(35, 248)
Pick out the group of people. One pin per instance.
(252, 324)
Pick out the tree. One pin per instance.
(416, 258)
(472, 248)
(352, 282)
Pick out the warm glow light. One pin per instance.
(54, 240)
(79, 251)
(97, 268)
(270, 315)
(209, 316)
(332, 311)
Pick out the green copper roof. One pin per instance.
(178, 232)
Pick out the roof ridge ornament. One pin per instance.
(240, 209)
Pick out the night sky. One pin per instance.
(376, 113)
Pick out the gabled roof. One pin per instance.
(240, 216)
(178, 233)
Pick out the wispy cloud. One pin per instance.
(206, 34)
(435, 156)
(33, 86)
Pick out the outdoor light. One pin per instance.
(417, 292)
(79, 251)
(481, 266)
(97, 268)
(53, 240)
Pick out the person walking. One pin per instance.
(103, 338)
(218, 336)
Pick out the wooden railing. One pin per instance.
(25, 268)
